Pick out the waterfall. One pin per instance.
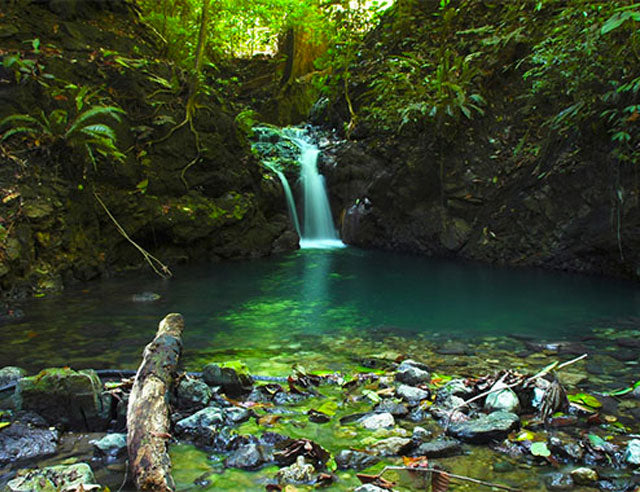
(317, 230)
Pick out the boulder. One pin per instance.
(495, 426)
(192, 393)
(411, 394)
(377, 421)
(348, 459)
(392, 446)
(412, 373)
(10, 374)
(71, 399)
(632, 453)
(54, 478)
(21, 441)
(111, 445)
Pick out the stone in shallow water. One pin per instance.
(584, 476)
(62, 477)
(412, 373)
(377, 421)
(111, 445)
(298, 473)
(368, 487)
(632, 453)
(355, 460)
(559, 481)
(390, 406)
(502, 399)
(145, 297)
(495, 426)
(20, 441)
(392, 446)
(411, 394)
(192, 393)
(201, 426)
(440, 448)
(249, 457)
(10, 374)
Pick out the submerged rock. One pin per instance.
(412, 373)
(66, 397)
(111, 445)
(249, 457)
(21, 441)
(390, 406)
(298, 473)
(495, 426)
(348, 459)
(392, 446)
(584, 475)
(440, 448)
(559, 481)
(233, 384)
(201, 426)
(377, 421)
(369, 487)
(53, 478)
(145, 297)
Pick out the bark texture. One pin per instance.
(148, 410)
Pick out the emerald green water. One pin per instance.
(310, 304)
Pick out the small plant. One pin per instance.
(82, 132)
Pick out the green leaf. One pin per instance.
(371, 395)
(16, 131)
(540, 449)
(4, 424)
(111, 111)
(99, 130)
(597, 442)
(614, 22)
(590, 401)
(24, 118)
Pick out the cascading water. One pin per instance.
(317, 230)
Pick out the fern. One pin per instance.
(78, 123)
(99, 130)
(23, 118)
(16, 131)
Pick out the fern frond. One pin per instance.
(15, 131)
(99, 130)
(23, 118)
(79, 122)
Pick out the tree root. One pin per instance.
(156, 265)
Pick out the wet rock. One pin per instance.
(348, 459)
(495, 426)
(201, 426)
(559, 481)
(455, 387)
(419, 413)
(390, 406)
(21, 441)
(628, 342)
(287, 241)
(392, 446)
(298, 473)
(226, 439)
(420, 434)
(192, 393)
(62, 477)
(378, 421)
(111, 445)
(368, 487)
(318, 417)
(440, 448)
(10, 374)
(632, 453)
(565, 446)
(412, 373)
(63, 396)
(502, 399)
(236, 415)
(234, 384)
(411, 394)
(145, 297)
(584, 476)
(249, 457)
(454, 348)
(625, 354)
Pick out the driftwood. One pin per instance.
(148, 421)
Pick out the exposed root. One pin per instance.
(156, 265)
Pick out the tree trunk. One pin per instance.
(202, 35)
(148, 421)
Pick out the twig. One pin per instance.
(160, 268)
(126, 475)
(451, 475)
(544, 372)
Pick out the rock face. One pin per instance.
(65, 397)
(495, 426)
(20, 441)
(64, 477)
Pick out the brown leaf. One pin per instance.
(269, 420)
(376, 480)
(417, 462)
(439, 481)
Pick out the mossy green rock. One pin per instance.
(71, 399)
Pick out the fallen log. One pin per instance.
(148, 423)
